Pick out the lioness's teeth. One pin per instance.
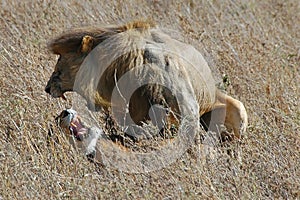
(73, 124)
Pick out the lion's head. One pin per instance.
(72, 48)
(72, 52)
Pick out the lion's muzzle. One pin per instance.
(47, 89)
(53, 87)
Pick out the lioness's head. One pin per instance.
(72, 50)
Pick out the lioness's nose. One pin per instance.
(47, 89)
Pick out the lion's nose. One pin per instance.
(47, 89)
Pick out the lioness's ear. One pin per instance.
(86, 44)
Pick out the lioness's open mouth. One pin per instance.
(77, 129)
(68, 119)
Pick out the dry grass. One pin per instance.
(255, 43)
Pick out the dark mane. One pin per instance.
(69, 41)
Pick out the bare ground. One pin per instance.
(255, 43)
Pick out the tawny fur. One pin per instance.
(74, 46)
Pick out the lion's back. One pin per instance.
(139, 53)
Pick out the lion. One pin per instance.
(158, 69)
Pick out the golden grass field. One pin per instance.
(255, 43)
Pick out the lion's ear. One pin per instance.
(86, 44)
(75, 41)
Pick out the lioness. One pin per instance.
(176, 75)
